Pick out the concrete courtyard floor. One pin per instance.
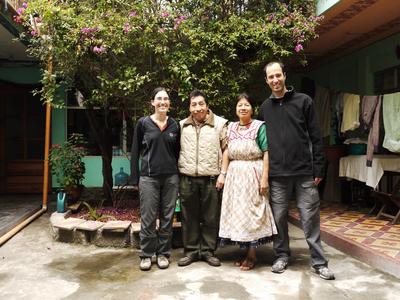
(33, 266)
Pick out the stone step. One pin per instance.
(68, 224)
(90, 225)
(117, 226)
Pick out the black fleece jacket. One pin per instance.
(295, 145)
(155, 152)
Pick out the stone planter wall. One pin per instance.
(118, 234)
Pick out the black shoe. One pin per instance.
(187, 260)
(211, 260)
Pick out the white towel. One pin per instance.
(391, 117)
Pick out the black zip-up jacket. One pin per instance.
(157, 150)
(292, 131)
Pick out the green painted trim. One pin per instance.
(21, 75)
(324, 5)
(354, 73)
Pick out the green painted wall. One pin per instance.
(20, 75)
(94, 176)
(355, 72)
(324, 5)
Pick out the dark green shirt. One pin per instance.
(261, 138)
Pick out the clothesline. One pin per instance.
(348, 111)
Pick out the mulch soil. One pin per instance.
(126, 209)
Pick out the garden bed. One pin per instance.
(110, 213)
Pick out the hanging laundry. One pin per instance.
(337, 109)
(322, 109)
(351, 112)
(391, 116)
(370, 111)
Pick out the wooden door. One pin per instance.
(22, 120)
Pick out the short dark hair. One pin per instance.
(197, 93)
(248, 99)
(274, 62)
(157, 90)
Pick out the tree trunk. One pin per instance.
(102, 133)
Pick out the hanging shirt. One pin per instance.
(323, 109)
(351, 112)
(391, 115)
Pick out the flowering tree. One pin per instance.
(115, 51)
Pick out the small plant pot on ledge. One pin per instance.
(74, 193)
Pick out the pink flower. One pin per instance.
(20, 10)
(85, 30)
(127, 27)
(18, 19)
(178, 21)
(133, 13)
(298, 48)
(99, 50)
(34, 32)
(165, 14)
(24, 5)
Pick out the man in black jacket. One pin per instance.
(296, 165)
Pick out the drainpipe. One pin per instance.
(4, 238)
(46, 154)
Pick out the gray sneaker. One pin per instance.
(162, 262)
(145, 264)
(279, 266)
(324, 273)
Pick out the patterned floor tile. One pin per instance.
(394, 229)
(390, 236)
(345, 218)
(358, 232)
(388, 252)
(334, 223)
(358, 239)
(375, 222)
(370, 227)
(379, 236)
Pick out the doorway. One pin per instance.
(22, 130)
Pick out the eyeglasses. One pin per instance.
(161, 98)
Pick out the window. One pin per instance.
(120, 123)
(387, 81)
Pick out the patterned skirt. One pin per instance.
(246, 216)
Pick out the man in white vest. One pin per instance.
(203, 138)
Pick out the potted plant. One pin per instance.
(67, 165)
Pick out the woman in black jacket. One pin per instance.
(155, 150)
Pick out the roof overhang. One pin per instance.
(350, 25)
(11, 50)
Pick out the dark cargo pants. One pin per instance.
(157, 199)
